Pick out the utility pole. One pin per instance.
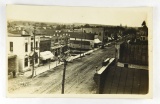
(49, 63)
(103, 38)
(39, 51)
(33, 57)
(83, 40)
(81, 43)
(63, 79)
(115, 55)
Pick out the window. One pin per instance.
(31, 62)
(36, 45)
(26, 47)
(31, 46)
(11, 46)
(56, 40)
(26, 62)
(36, 58)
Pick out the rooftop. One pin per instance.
(121, 80)
(11, 56)
(17, 35)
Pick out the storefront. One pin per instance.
(97, 43)
(46, 56)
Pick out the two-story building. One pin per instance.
(82, 40)
(59, 42)
(22, 45)
(100, 32)
(45, 49)
(12, 65)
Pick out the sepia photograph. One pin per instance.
(56, 51)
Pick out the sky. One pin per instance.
(91, 15)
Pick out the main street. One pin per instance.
(78, 79)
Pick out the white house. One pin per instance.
(22, 47)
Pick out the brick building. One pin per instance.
(45, 44)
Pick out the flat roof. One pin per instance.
(17, 35)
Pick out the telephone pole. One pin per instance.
(103, 38)
(65, 64)
(64, 72)
(115, 55)
(81, 43)
(33, 57)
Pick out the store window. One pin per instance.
(36, 45)
(26, 47)
(31, 46)
(26, 62)
(36, 57)
(11, 46)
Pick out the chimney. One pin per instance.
(23, 32)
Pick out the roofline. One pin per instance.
(19, 36)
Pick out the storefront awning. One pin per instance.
(11, 56)
(56, 47)
(97, 41)
(31, 54)
(46, 55)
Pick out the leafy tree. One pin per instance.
(86, 25)
(144, 24)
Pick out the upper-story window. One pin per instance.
(11, 46)
(26, 47)
(31, 46)
(36, 45)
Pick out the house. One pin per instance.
(22, 45)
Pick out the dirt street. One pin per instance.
(78, 79)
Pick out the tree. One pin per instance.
(63, 26)
(144, 24)
(86, 25)
(144, 27)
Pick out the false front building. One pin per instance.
(83, 41)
